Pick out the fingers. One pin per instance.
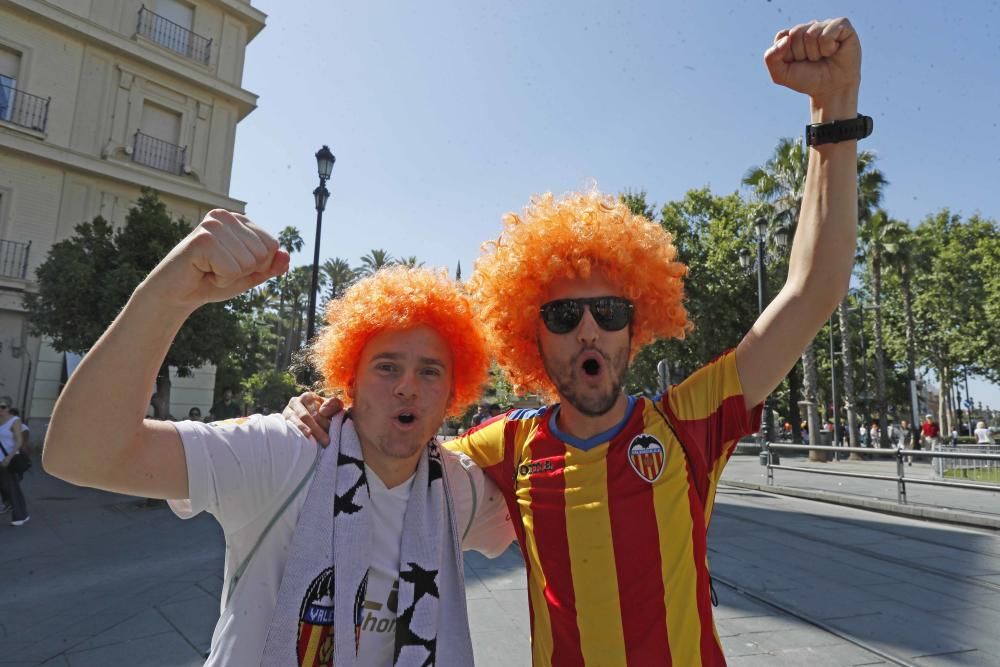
(814, 40)
(298, 415)
(241, 252)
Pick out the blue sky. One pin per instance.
(445, 115)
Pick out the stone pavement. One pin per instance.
(98, 579)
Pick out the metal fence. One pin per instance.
(158, 154)
(24, 109)
(173, 36)
(900, 455)
(14, 259)
(965, 467)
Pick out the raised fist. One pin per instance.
(821, 59)
(222, 257)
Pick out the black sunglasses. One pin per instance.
(612, 313)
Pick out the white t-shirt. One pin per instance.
(242, 470)
(983, 436)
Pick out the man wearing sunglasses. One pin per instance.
(614, 492)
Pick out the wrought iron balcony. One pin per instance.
(14, 259)
(158, 154)
(173, 36)
(24, 109)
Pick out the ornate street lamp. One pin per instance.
(324, 166)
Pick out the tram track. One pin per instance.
(861, 551)
(806, 618)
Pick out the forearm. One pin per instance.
(99, 414)
(822, 255)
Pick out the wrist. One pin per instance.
(842, 105)
(147, 301)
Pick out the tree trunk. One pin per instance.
(883, 423)
(161, 402)
(809, 386)
(850, 395)
(794, 395)
(911, 344)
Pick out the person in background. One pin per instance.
(11, 441)
(226, 408)
(983, 435)
(930, 432)
(194, 414)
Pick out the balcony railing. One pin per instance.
(24, 109)
(14, 259)
(158, 154)
(173, 36)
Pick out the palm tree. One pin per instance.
(291, 241)
(781, 183)
(410, 262)
(338, 276)
(871, 181)
(375, 260)
(878, 237)
(902, 261)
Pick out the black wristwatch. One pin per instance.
(839, 130)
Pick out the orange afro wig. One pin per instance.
(400, 298)
(569, 237)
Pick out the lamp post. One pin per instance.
(746, 260)
(833, 390)
(324, 165)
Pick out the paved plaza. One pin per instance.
(98, 579)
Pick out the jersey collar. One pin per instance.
(592, 441)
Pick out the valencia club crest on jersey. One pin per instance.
(647, 457)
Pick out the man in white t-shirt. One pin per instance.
(253, 474)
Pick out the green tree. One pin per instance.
(269, 390)
(637, 204)
(708, 231)
(376, 259)
(878, 237)
(86, 279)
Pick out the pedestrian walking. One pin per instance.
(930, 432)
(11, 442)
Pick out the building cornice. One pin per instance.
(244, 100)
(123, 172)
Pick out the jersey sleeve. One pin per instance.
(484, 444)
(709, 410)
(238, 468)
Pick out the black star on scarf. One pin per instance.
(424, 581)
(435, 469)
(345, 504)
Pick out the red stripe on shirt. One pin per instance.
(638, 565)
(548, 511)
(711, 652)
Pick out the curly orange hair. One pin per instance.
(568, 237)
(400, 298)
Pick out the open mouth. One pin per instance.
(406, 417)
(591, 365)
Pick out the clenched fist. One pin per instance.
(821, 59)
(222, 257)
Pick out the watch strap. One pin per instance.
(839, 130)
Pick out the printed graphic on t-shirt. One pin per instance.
(379, 616)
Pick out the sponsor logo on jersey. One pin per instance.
(528, 468)
(647, 456)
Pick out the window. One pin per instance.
(157, 138)
(10, 67)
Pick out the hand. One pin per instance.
(222, 257)
(821, 59)
(311, 414)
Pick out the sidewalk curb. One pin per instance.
(964, 518)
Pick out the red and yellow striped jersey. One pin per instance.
(613, 529)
